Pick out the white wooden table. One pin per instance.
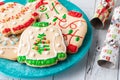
(87, 69)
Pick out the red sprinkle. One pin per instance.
(75, 14)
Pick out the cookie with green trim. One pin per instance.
(47, 8)
(41, 45)
(73, 27)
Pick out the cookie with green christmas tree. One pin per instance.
(41, 45)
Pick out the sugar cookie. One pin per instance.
(74, 29)
(9, 46)
(15, 18)
(41, 45)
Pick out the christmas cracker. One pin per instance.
(109, 54)
(102, 13)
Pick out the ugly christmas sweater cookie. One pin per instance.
(73, 27)
(15, 18)
(47, 8)
(41, 46)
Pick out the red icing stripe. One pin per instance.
(75, 14)
(1, 3)
(35, 14)
(25, 25)
(6, 30)
(40, 3)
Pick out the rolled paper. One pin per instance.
(102, 13)
(109, 53)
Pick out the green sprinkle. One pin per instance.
(64, 16)
(47, 15)
(77, 38)
(55, 19)
(70, 31)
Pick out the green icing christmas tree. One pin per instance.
(41, 44)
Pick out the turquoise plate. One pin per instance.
(14, 69)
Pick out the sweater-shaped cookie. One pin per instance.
(9, 46)
(41, 46)
(74, 28)
(47, 8)
(15, 18)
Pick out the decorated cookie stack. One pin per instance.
(41, 33)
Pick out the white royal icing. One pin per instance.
(1, 52)
(1, 26)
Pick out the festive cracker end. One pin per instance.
(102, 13)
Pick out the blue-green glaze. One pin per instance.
(15, 69)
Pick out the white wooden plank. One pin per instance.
(77, 72)
(86, 5)
(2, 77)
(94, 72)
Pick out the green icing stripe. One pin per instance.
(64, 16)
(31, 0)
(41, 24)
(46, 62)
(21, 59)
(77, 38)
(55, 8)
(55, 19)
(70, 31)
(47, 15)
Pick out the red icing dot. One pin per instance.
(75, 14)
(45, 49)
(35, 14)
(6, 30)
(72, 48)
